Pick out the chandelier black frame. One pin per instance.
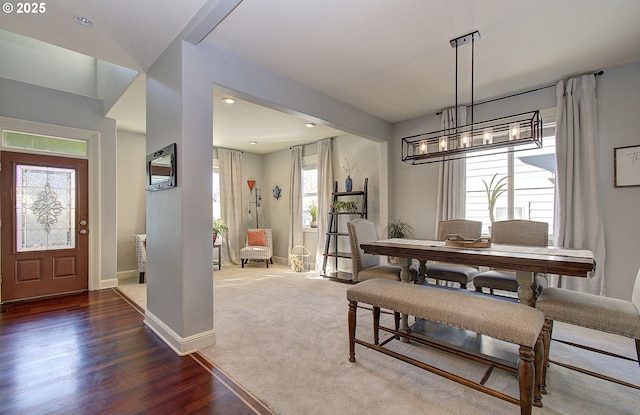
(460, 141)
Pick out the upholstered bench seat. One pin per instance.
(507, 321)
(511, 322)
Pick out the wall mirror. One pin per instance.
(161, 169)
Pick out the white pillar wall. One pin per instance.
(179, 254)
(179, 109)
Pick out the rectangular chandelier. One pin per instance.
(511, 132)
(463, 141)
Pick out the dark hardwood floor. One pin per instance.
(90, 353)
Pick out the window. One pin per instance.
(42, 143)
(309, 187)
(530, 189)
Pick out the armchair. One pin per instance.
(141, 254)
(259, 246)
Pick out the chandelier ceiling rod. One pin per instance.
(470, 37)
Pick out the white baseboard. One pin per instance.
(111, 283)
(279, 260)
(123, 275)
(181, 345)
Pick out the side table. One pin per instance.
(219, 260)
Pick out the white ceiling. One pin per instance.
(391, 59)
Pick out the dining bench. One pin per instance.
(511, 322)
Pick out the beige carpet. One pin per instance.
(283, 336)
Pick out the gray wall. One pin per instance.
(131, 199)
(363, 152)
(34, 103)
(618, 93)
(414, 188)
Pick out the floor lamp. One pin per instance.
(258, 202)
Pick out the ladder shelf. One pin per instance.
(333, 233)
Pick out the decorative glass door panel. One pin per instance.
(45, 208)
(45, 225)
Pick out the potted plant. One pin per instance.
(494, 190)
(341, 206)
(397, 228)
(313, 211)
(219, 227)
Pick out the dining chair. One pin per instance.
(606, 314)
(367, 266)
(462, 274)
(513, 232)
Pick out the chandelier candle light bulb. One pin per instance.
(514, 132)
(487, 136)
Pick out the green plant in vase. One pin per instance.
(397, 228)
(494, 190)
(313, 211)
(349, 207)
(219, 227)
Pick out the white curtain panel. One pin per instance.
(578, 216)
(325, 189)
(296, 235)
(231, 202)
(452, 180)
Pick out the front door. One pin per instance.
(44, 225)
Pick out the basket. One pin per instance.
(300, 259)
(458, 241)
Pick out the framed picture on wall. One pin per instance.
(626, 162)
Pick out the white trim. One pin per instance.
(125, 275)
(93, 155)
(111, 283)
(181, 345)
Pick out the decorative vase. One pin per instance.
(348, 184)
(313, 224)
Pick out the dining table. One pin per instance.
(526, 261)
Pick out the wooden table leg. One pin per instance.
(405, 275)
(422, 271)
(525, 292)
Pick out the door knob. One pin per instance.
(83, 222)
(83, 231)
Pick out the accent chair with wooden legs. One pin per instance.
(140, 242)
(259, 247)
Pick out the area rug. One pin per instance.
(283, 336)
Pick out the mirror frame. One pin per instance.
(168, 151)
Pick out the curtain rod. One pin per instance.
(224, 148)
(599, 73)
(314, 142)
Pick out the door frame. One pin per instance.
(93, 156)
